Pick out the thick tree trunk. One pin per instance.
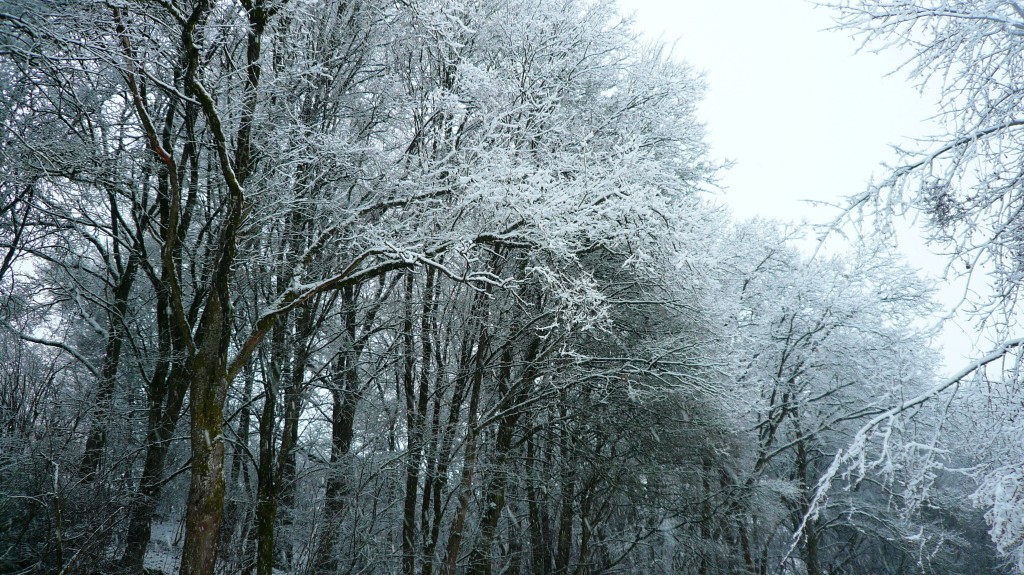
(209, 365)
(208, 390)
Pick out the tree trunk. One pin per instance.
(435, 482)
(210, 374)
(540, 530)
(707, 516)
(235, 512)
(285, 478)
(416, 413)
(167, 396)
(565, 525)
(172, 374)
(344, 397)
(208, 390)
(346, 392)
(266, 493)
(512, 396)
(811, 539)
(97, 440)
(469, 460)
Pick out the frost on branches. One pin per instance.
(969, 184)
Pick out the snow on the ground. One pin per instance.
(164, 548)
(164, 551)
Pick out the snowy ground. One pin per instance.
(164, 551)
(165, 548)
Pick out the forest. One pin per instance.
(439, 287)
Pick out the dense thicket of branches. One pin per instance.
(426, 287)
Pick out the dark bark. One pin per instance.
(416, 412)
(515, 548)
(116, 334)
(583, 565)
(540, 530)
(172, 373)
(236, 511)
(413, 435)
(704, 565)
(292, 404)
(469, 459)
(509, 410)
(435, 483)
(810, 535)
(167, 396)
(566, 519)
(346, 392)
(205, 508)
(210, 366)
(429, 516)
(266, 486)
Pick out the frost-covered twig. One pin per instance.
(57, 344)
(856, 450)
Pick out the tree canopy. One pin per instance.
(317, 286)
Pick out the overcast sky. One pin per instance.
(803, 115)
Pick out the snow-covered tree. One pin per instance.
(967, 182)
(824, 344)
(275, 196)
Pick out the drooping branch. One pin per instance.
(56, 344)
(854, 455)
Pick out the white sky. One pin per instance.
(802, 112)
